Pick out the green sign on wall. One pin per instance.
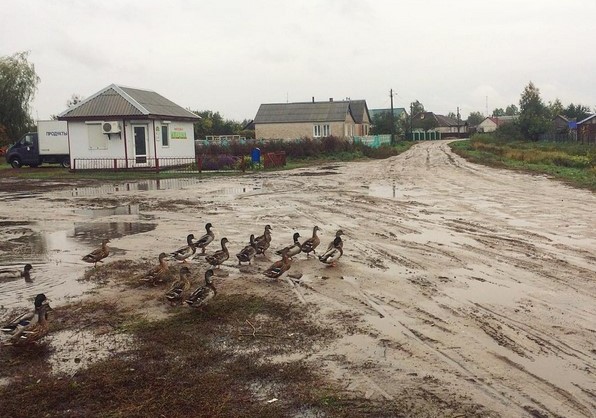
(178, 135)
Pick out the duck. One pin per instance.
(30, 326)
(187, 252)
(203, 294)
(334, 250)
(96, 256)
(293, 249)
(310, 245)
(9, 273)
(180, 288)
(263, 241)
(248, 252)
(218, 257)
(279, 267)
(159, 273)
(206, 239)
(266, 234)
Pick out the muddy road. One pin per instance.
(466, 281)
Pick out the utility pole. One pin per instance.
(411, 121)
(392, 119)
(458, 123)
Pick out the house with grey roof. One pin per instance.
(491, 123)
(343, 119)
(129, 128)
(429, 121)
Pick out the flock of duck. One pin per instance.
(31, 326)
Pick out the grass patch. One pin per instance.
(570, 162)
(226, 360)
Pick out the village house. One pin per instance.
(586, 130)
(123, 127)
(491, 123)
(289, 121)
(431, 122)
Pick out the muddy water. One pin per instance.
(56, 254)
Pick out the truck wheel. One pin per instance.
(65, 163)
(16, 163)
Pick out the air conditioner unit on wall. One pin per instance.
(110, 127)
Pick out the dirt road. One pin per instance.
(457, 279)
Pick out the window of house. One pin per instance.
(321, 131)
(97, 139)
(165, 136)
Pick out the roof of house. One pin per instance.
(586, 119)
(331, 111)
(442, 121)
(119, 101)
(397, 112)
(501, 120)
(359, 109)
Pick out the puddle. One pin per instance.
(146, 185)
(56, 256)
(105, 212)
(76, 350)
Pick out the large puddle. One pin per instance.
(146, 185)
(56, 256)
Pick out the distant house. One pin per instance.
(398, 112)
(561, 123)
(586, 130)
(343, 119)
(491, 123)
(130, 128)
(429, 121)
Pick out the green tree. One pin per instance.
(534, 115)
(74, 100)
(511, 110)
(499, 112)
(381, 123)
(18, 84)
(577, 112)
(212, 123)
(416, 107)
(475, 118)
(451, 115)
(555, 108)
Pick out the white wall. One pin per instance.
(181, 144)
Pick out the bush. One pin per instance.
(303, 148)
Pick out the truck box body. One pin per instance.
(48, 145)
(53, 137)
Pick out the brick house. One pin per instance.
(288, 121)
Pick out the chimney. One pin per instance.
(313, 99)
(331, 99)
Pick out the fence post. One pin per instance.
(115, 164)
(199, 161)
(74, 165)
(156, 165)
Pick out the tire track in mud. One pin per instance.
(567, 397)
(371, 302)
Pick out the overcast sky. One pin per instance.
(232, 55)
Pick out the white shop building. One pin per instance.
(122, 127)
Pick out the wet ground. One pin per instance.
(457, 278)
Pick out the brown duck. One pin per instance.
(310, 245)
(96, 256)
